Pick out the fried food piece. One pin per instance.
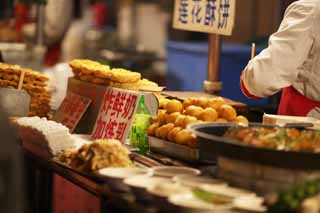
(173, 132)
(90, 67)
(194, 111)
(216, 103)
(161, 117)
(124, 76)
(164, 130)
(183, 137)
(180, 121)
(189, 120)
(188, 102)
(163, 103)
(227, 112)
(171, 118)
(202, 102)
(208, 114)
(174, 106)
(192, 142)
(157, 132)
(242, 119)
(152, 129)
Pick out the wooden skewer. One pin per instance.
(253, 50)
(21, 79)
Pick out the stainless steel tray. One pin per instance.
(173, 150)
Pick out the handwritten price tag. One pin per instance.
(71, 110)
(116, 114)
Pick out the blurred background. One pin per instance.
(138, 35)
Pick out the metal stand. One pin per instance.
(213, 85)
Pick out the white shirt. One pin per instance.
(292, 57)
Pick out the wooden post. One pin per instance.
(213, 85)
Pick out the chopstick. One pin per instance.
(253, 50)
(21, 79)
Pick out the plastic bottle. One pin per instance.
(141, 122)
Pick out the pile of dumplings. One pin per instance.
(174, 116)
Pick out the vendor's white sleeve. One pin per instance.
(277, 66)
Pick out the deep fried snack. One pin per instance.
(208, 114)
(164, 130)
(171, 118)
(174, 106)
(152, 129)
(242, 119)
(124, 76)
(227, 112)
(180, 120)
(173, 132)
(193, 111)
(183, 136)
(216, 102)
(189, 120)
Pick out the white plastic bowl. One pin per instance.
(196, 181)
(171, 171)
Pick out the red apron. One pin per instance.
(294, 104)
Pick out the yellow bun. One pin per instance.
(161, 117)
(164, 130)
(163, 103)
(227, 112)
(174, 106)
(202, 102)
(189, 120)
(188, 102)
(152, 129)
(194, 111)
(208, 114)
(183, 137)
(173, 132)
(242, 119)
(180, 120)
(216, 102)
(171, 118)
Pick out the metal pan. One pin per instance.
(212, 144)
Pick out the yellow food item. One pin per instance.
(194, 111)
(202, 102)
(173, 132)
(189, 120)
(124, 76)
(164, 130)
(157, 132)
(216, 103)
(188, 102)
(208, 114)
(174, 106)
(171, 118)
(242, 119)
(183, 137)
(180, 121)
(163, 103)
(227, 112)
(221, 120)
(161, 117)
(152, 129)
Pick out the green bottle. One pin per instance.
(141, 122)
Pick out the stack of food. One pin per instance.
(97, 155)
(34, 83)
(174, 116)
(49, 137)
(96, 73)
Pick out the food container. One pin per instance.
(115, 176)
(139, 184)
(161, 192)
(171, 171)
(196, 181)
(190, 204)
(173, 150)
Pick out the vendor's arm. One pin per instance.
(277, 66)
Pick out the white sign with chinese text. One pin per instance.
(71, 110)
(210, 16)
(116, 114)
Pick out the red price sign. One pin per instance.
(71, 110)
(116, 114)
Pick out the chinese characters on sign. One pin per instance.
(71, 110)
(115, 115)
(211, 16)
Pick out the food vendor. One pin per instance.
(291, 63)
